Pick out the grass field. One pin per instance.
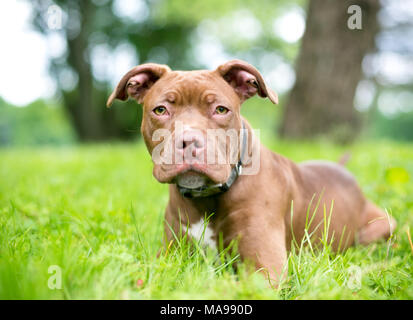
(96, 212)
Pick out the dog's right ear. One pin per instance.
(246, 80)
(137, 81)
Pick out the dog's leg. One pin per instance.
(261, 244)
(375, 224)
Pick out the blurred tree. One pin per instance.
(38, 123)
(87, 24)
(328, 70)
(389, 76)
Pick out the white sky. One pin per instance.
(291, 25)
(23, 56)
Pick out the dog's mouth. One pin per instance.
(193, 175)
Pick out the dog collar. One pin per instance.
(206, 191)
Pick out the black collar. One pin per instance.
(206, 191)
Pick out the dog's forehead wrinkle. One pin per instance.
(190, 87)
(188, 77)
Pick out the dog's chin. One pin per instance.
(191, 176)
(191, 180)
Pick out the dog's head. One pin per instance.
(190, 117)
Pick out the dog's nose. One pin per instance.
(191, 138)
(191, 146)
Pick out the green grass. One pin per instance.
(96, 212)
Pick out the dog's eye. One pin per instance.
(221, 110)
(160, 111)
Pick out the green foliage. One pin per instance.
(398, 127)
(96, 211)
(221, 20)
(37, 123)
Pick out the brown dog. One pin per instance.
(265, 209)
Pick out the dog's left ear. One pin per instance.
(246, 80)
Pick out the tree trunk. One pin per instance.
(328, 71)
(86, 105)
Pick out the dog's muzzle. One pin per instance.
(206, 191)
